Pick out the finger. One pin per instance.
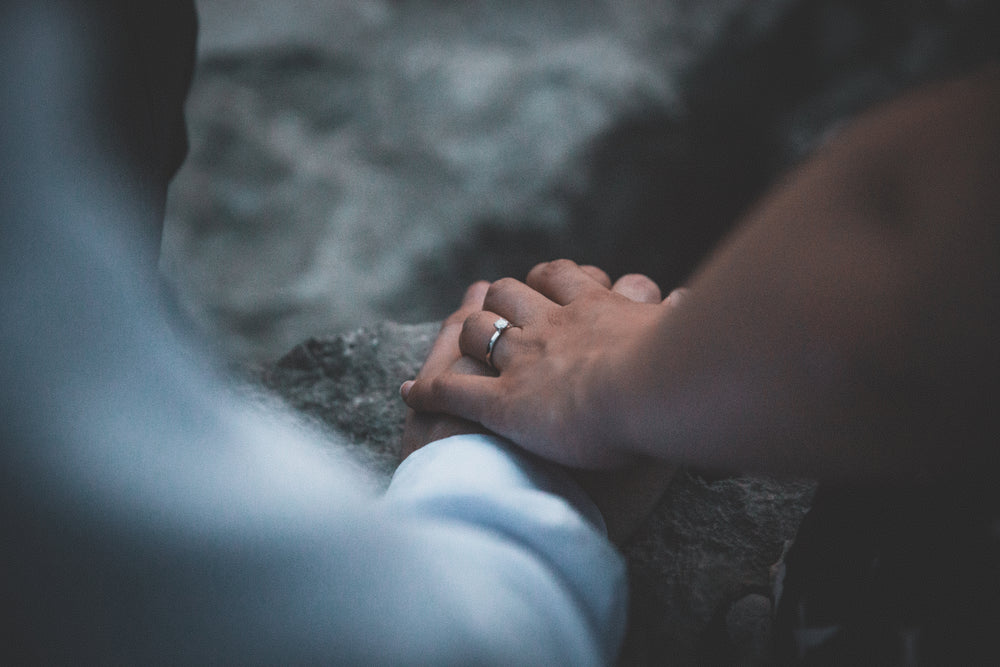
(677, 297)
(515, 301)
(445, 349)
(597, 274)
(466, 365)
(472, 300)
(477, 333)
(474, 295)
(466, 396)
(562, 281)
(637, 287)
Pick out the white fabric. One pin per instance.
(481, 482)
(151, 516)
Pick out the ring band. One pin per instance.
(499, 327)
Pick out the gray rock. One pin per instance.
(355, 161)
(350, 383)
(700, 567)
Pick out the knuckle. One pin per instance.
(638, 287)
(434, 390)
(635, 279)
(558, 266)
(537, 268)
(470, 320)
(556, 317)
(678, 295)
(414, 399)
(597, 273)
(498, 289)
(548, 271)
(640, 281)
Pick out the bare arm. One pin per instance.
(847, 328)
(844, 330)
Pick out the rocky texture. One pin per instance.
(700, 567)
(350, 382)
(355, 161)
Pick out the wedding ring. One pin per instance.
(499, 327)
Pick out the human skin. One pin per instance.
(623, 495)
(844, 331)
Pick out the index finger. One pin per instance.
(445, 349)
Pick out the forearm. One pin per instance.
(845, 328)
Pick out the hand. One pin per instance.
(624, 496)
(627, 495)
(562, 386)
(425, 427)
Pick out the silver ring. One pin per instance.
(499, 326)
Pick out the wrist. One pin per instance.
(423, 428)
(629, 393)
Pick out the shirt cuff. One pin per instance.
(486, 465)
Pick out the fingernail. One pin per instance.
(404, 389)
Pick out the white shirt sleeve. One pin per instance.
(152, 517)
(483, 483)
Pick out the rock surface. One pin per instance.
(350, 382)
(355, 161)
(700, 567)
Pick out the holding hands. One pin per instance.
(556, 368)
(425, 427)
(845, 329)
(527, 380)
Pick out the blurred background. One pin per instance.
(354, 161)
